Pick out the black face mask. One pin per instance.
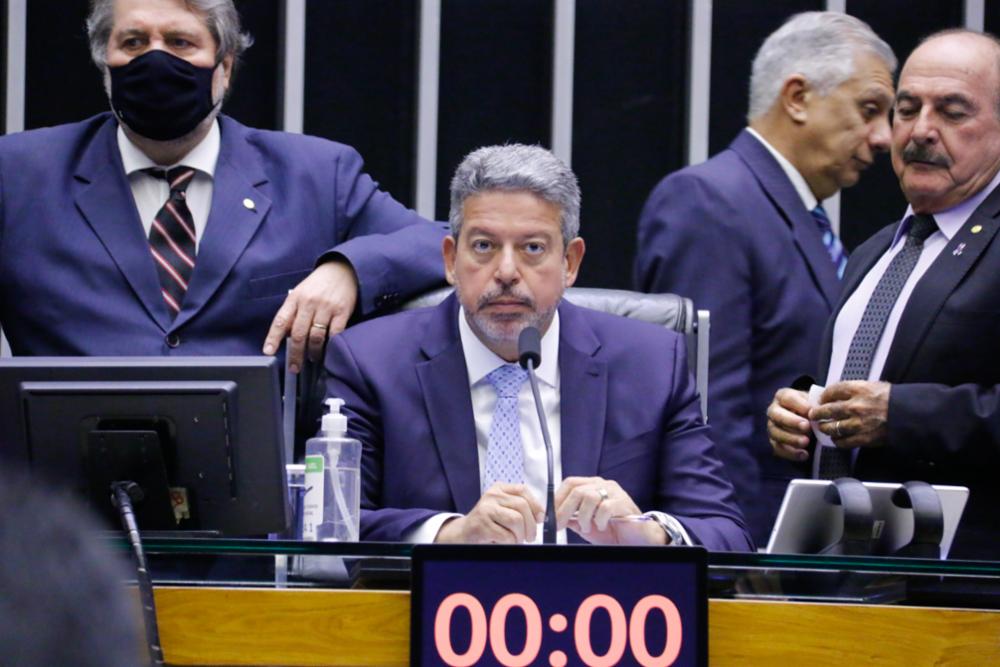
(161, 96)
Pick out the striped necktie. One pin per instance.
(835, 463)
(833, 245)
(172, 239)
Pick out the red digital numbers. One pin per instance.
(626, 632)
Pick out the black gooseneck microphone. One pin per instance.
(529, 355)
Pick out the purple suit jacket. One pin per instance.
(732, 235)
(629, 413)
(77, 277)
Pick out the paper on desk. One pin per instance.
(823, 439)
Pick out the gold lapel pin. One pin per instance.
(248, 204)
(976, 229)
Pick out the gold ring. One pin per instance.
(836, 428)
(320, 326)
(603, 494)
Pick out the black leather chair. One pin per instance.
(669, 310)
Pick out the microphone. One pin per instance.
(529, 355)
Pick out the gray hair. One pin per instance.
(221, 19)
(821, 46)
(517, 167)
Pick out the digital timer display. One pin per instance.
(558, 605)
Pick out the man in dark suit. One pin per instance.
(165, 228)
(909, 358)
(452, 444)
(745, 236)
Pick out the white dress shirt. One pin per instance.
(949, 222)
(798, 181)
(480, 361)
(151, 192)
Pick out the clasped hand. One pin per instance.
(510, 514)
(853, 413)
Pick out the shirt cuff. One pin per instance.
(674, 529)
(426, 532)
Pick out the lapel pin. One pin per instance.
(977, 228)
(958, 249)
(248, 204)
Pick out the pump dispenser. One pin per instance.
(332, 503)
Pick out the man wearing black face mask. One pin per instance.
(167, 228)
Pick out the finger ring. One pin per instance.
(603, 494)
(836, 428)
(320, 326)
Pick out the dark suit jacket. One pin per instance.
(77, 277)
(629, 412)
(944, 366)
(732, 234)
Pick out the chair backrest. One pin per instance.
(668, 310)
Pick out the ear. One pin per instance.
(448, 249)
(227, 69)
(573, 258)
(794, 98)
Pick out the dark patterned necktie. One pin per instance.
(833, 245)
(172, 239)
(835, 463)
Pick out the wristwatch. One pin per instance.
(676, 535)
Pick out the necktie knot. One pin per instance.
(833, 246)
(179, 178)
(821, 218)
(921, 226)
(507, 380)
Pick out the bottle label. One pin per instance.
(312, 501)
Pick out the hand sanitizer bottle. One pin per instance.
(332, 503)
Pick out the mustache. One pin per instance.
(923, 153)
(506, 292)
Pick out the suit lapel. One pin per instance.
(783, 195)
(937, 284)
(583, 393)
(105, 200)
(444, 382)
(238, 209)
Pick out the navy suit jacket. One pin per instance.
(629, 412)
(944, 366)
(77, 277)
(732, 234)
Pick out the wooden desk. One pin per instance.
(232, 626)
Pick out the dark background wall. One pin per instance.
(629, 100)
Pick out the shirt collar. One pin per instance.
(951, 220)
(202, 157)
(798, 181)
(480, 360)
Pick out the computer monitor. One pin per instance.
(200, 435)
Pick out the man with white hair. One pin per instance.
(453, 450)
(909, 356)
(745, 234)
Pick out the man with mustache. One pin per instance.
(453, 450)
(745, 234)
(909, 359)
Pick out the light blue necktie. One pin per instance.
(504, 453)
(833, 245)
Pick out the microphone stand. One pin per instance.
(549, 527)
